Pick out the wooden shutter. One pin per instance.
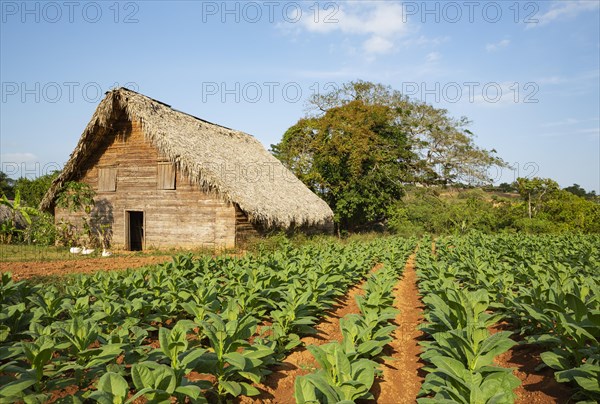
(107, 179)
(166, 176)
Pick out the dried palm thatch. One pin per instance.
(231, 163)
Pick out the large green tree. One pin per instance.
(6, 186)
(355, 156)
(535, 191)
(444, 144)
(361, 143)
(33, 191)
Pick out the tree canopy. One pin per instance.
(33, 190)
(360, 144)
(578, 190)
(6, 186)
(535, 191)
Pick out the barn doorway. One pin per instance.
(135, 230)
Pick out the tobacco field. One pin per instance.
(211, 329)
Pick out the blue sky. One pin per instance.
(525, 73)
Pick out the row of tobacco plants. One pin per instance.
(195, 330)
(546, 288)
(348, 368)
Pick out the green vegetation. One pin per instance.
(7, 186)
(462, 351)
(380, 160)
(546, 287)
(33, 190)
(18, 213)
(20, 252)
(366, 141)
(121, 335)
(348, 368)
(447, 211)
(57, 335)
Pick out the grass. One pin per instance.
(36, 253)
(25, 253)
(22, 252)
(272, 242)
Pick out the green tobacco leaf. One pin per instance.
(104, 397)
(304, 391)
(233, 388)
(556, 360)
(16, 388)
(492, 347)
(191, 391)
(363, 371)
(586, 375)
(498, 387)
(328, 391)
(163, 339)
(320, 356)
(191, 357)
(142, 376)
(255, 378)
(236, 359)
(113, 383)
(450, 366)
(577, 305)
(249, 390)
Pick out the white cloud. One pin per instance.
(492, 47)
(378, 18)
(424, 41)
(377, 44)
(433, 57)
(560, 10)
(380, 24)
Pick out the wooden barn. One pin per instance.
(164, 178)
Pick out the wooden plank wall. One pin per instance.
(245, 229)
(184, 217)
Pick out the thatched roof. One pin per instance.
(231, 163)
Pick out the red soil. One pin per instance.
(28, 269)
(536, 386)
(278, 387)
(402, 377)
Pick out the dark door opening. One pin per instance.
(135, 221)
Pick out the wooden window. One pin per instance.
(166, 176)
(107, 179)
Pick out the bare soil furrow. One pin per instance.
(402, 377)
(278, 387)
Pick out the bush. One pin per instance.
(536, 225)
(42, 230)
(424, 210)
